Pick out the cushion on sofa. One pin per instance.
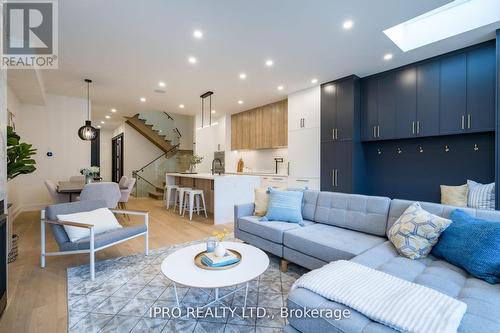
(417, 231)
(272, 231)
(261, 201)
(329, 243)
(454, 195)
(284, 206)
(482, 298)
(481, 196)
(398, 206)
(473, 244)
(352, 211)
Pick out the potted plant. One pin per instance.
(90, 173)
(220, 249)
(193, 161)
(19, 162)
(19, 155)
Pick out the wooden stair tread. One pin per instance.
(156, 195)
(149, 133)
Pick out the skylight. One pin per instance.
(454, 18)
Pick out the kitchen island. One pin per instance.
(221, 192)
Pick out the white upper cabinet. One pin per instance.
(304, 153)
(304, 109)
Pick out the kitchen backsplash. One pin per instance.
(258, 160)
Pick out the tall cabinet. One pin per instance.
(304, 138)
(340, 136)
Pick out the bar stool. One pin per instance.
(179, 198)
(167, 194)
(189, 198)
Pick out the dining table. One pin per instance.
(74, 188)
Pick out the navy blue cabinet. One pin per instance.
(453, 94)
(427, 120)
(337, 166)
(450, 94)
(339, 109)
(405, 94)
(481, 89)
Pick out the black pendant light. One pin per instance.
(87, 132)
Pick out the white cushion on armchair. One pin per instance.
(102, 219)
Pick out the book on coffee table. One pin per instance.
(210, 259)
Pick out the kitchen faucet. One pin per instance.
(213, 166)
(278, 160)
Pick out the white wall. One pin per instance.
(53, 128)
(105, 154)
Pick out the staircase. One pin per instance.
(157, 193)
(155, 136)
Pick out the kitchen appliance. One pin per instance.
(219, 167)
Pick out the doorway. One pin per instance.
(117, 158)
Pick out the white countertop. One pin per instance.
(202, 175)
(263, 174)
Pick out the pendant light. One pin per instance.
(87, 132)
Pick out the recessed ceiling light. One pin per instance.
(280, 88)
(198, 34)
(113, 110)
(240, 102)
(243, 76)
(107, 117)
(102, 122)
(388, 56)
(161, 84)
(181, 106)
(213, 111)
(269, 62)
(314, 81)
(98, 126)
(347, 24)
(143, 99)
(192, 60)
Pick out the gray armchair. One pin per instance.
(90, 244)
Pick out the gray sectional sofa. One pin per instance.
(354, 227)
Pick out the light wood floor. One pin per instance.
(37, 297)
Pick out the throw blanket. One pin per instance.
(402, 305)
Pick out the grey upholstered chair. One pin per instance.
(77, 179)
(56, 197)
(125, 194)
(107, 191)
(123, 181)
(94, 242)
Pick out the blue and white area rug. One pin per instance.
(126, 288)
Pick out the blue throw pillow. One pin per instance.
(284, 206)
(473, 244)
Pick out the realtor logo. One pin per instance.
(30, 34)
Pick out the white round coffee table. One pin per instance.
(181, 269)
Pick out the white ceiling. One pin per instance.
(128, 46)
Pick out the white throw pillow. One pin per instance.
(102, 219)
(481, 196)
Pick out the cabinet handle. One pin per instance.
(333, 133)
(303, 180)
(413, 127)
(288, 169)
(337, 133)
(303, 122)
(468, 121)
(418, 126)
(378, 131)
(374, 131)
(277, 179)
(463, 122)
(336, 177)
(333, 177)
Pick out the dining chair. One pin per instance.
(56, 196)
(77, 179)
(107, 191)
(125, 195)
(94, 242)
(123, 181)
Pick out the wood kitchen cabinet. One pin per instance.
(260, 128)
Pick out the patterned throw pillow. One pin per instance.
(481, 196)
(416, 232)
